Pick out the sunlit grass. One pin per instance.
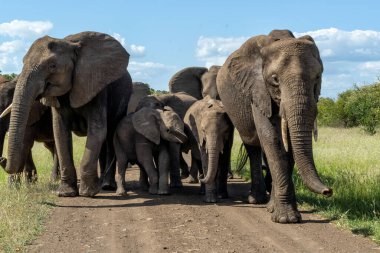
(23, 210)
(348, 160)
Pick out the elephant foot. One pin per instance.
(210, 198)
(285, 213)
(121, 192)
(144, 185)
(164, 192)
(176, 184)
(230, 175)
(270, 206)
(257, 198)
(153, 189)
(223, 195)
(107, 187)
(67, 190)
(89, 189)
(192, 180)
(184, 174)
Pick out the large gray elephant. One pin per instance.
(144, 137)
(196, 81)
(39, 128)
(211, 144)
(180, 102)
(270, 88)
(83, 77)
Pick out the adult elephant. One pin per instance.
(196, 81)
(83, 77)
(270, 88)
(39, 128)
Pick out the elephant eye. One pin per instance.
(275, 79)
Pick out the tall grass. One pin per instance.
(348, 160)
(23, 210)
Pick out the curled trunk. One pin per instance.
(213, 158)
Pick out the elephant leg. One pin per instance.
(258, 194)
(121, 166)
(102, 160)
(55, 169)
(268, 176)
(163, 170)
(109, 183)
(184, 167)
(30, 170)
(222, 175)
(145, 158)
(175, 153)
(281, 163)
(196, 165)
(143, 180)
(96, 136)
(63, 141)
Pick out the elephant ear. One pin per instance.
(101, 60)
(246, 72)
(36, 112)
(188, 80)
(145, 123)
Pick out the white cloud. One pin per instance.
(10, 47)
(137, 50)
(146, 71)
(215, 50)
(25, 29)
(349, 57)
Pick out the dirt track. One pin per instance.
(182, 223)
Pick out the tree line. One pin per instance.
(356, 107)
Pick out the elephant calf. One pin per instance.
(211, 142)
(143, 137)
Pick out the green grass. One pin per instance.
(24, 210)
(348, 160)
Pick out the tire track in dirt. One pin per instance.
(181, 222)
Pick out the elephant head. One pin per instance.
(283, 74)
(139, 91)
(79, 66)
(155, 124)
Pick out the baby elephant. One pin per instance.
(143, 138)
(213, 136)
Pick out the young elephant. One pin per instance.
(143, 137)
(212, 133)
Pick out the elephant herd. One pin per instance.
(267, 90)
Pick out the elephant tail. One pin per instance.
(108, 168)
(241, 159)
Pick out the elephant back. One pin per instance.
(188, 80)
(139, 91)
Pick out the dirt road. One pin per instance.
(182, 223)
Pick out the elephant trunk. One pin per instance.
(300, 119)
(23, 98)
(213, 159)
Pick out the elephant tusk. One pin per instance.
(284, 133)
(315, 130)
(6, 111)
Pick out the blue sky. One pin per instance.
(166, 36)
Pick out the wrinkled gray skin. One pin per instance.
(143, 137)
(39, 128)
(211, 144)
(271, 80)
(180, 102)
(139, 91)
(83, 77)
(196, 81)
